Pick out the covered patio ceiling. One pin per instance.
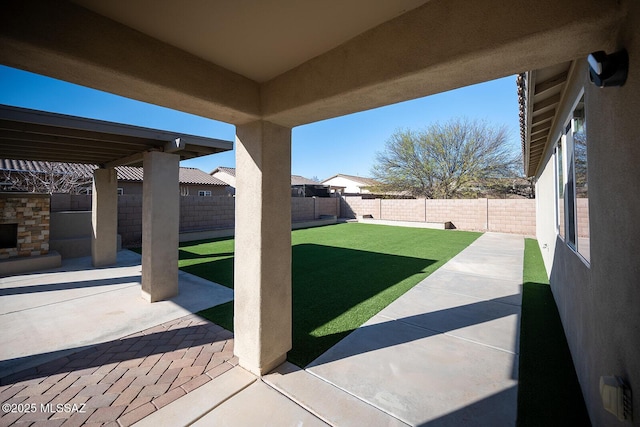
(290, 62)
(256, 39)
(37, 135)
(266, 67)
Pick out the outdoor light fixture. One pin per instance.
(608, 70)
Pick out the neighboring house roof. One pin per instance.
(125, 173)
(364, 182)
(301, 180)
(38, 166)
(196, 176)
(230, 171)
(295, 179)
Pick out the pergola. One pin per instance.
(38, 135)
(269, 66)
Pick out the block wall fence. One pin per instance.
(516, 216)
(217, 212)
(196, 213)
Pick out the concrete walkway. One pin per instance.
(445, 353)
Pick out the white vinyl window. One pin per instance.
(204, 193)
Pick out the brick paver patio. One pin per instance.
(119, 382)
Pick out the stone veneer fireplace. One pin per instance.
(26, 215)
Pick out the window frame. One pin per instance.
(565, 168)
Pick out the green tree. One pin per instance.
(455, 159)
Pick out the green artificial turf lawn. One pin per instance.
(548, 389)
(341, 276)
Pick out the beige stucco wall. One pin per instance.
(546, 213)
(225, 177)
(600, 303)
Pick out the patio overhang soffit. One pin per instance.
(540, 93)
(37, 135)
(292, 63)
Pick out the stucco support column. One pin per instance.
(262, 322)
(160, 226)
(104, 217)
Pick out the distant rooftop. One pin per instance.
(230, 171)
(125, 173)
(300, 180)
(359, 179)
(295, 179)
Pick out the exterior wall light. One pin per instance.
(608, 70)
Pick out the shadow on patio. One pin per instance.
(54, 313)
(124, 379)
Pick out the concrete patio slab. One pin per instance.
(489, 322)
(508, 291)
(259, 405)
(493, 255)
(201, 401)
(419, 375)
(50, 314)
(334, 405)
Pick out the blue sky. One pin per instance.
(345, 144)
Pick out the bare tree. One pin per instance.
(451, 160)
(51, 177)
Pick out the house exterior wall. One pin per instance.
(351, 187)
(216, 190)
(599, 302)
(225, 177)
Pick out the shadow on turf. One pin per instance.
(190, 255)
(331, 286)
(548, 388)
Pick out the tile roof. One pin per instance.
(125, 173)
(196, 176)
(39, 166)
(230, 171)
(301, 180)
(295, 179)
